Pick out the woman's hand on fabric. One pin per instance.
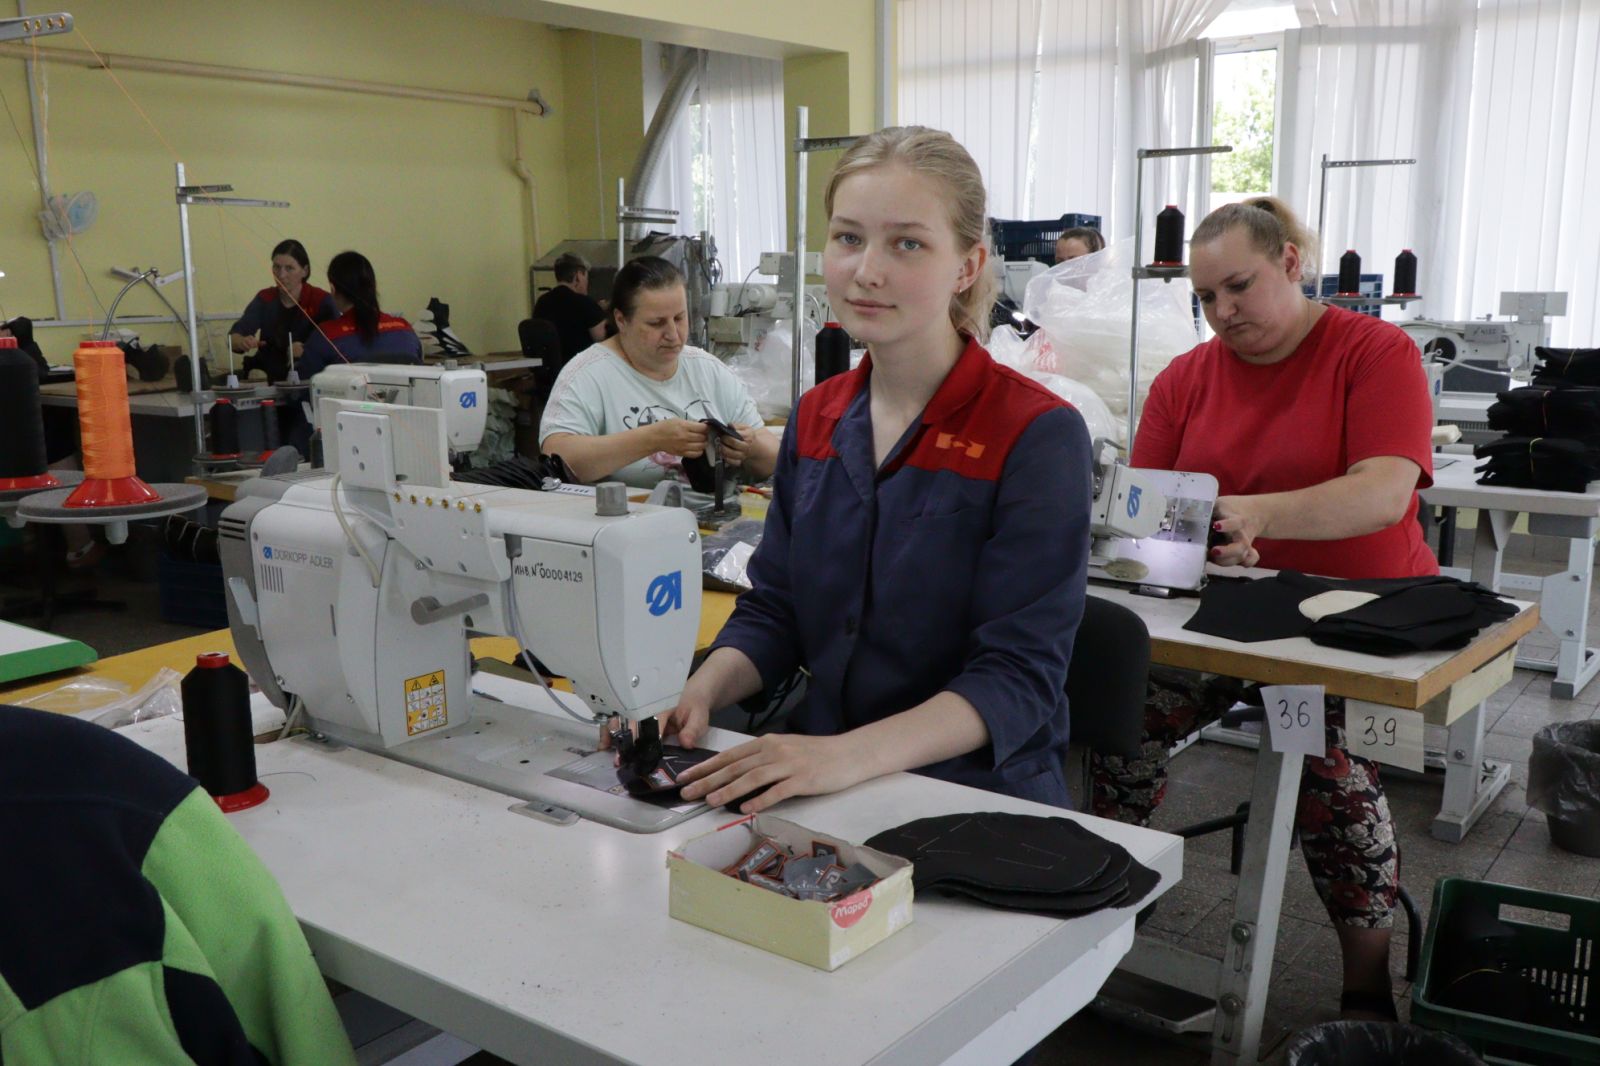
(737, 448)
(781, 764)
(1241, 523)
(680, 437)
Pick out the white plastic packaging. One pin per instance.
(1084, 308)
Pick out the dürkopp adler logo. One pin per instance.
(468, 399)
(665, 593)
(1133, 501)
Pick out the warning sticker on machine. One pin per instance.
(425, 704)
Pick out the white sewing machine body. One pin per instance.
(357, 589)
(462, 396)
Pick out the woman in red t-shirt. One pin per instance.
(1316, 423)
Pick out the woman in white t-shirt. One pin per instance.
(631, 407)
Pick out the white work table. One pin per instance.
(1446, 687)
(1563, 597)
(551, 944)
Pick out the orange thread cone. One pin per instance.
(106, 430)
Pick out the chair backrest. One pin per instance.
(1107, 678)
(541, 340)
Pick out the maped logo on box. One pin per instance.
(849, 911)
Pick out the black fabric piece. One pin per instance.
(1410, 614)
(1547, 411)
(207, 1027)
(1557, 464)
(1018, 862)
(660, 786)
(1566, 366)
(520, 472)
(1249, 610)
(79, 806)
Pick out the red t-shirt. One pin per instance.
(1353, 390)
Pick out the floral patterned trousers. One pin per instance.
(1346, 832)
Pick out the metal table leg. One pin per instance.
(1246, 969)
(1471, 782)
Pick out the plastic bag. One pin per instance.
(1377, 1044)
(1084, 308)
(725, 554)
(767, 370)
(109, 703)
(1564, 783)
(1008, 348)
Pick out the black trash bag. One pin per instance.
(1564, 783)
(1377, 1044)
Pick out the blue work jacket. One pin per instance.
(958, 566)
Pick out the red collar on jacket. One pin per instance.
(311, 298)
(345, 325)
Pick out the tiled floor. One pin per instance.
(1510, 844)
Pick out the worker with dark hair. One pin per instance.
(285, 312)
(1078, 241)
(362, 333)
(578, 319)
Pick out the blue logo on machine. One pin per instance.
(266, 553)
(665, 593)
(469, 399)
(1133, 501)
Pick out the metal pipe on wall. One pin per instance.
(44, 167)
(266, 77)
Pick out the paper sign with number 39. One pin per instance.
(1295, 720)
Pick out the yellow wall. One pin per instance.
(425, 189)
(605, 90)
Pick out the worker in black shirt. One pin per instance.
(577, 318)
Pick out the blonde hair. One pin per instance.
(1270, 224)
(937, 155)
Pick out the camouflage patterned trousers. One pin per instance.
(1346, 833)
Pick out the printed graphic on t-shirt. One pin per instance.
(650, 414)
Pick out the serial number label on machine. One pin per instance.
(425, 703)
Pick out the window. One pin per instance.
(1244, 113)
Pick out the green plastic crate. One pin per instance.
(1565, 961)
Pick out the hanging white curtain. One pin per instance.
(743, 145)
(1165, 59)
(1530, 217)
(968, 67)
(723, 167)
(1079, 112)
(1380, 80)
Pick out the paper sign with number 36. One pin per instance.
(1295, 720)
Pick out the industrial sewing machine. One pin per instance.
(462, 394)
(1149, 528)
(1482, 357)
(353, 592)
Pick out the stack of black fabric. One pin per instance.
(1552, 428)
(1410, 614)
(1018, 862)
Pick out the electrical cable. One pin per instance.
(738, 302)
(528, 664)
(338, 513)
(297, 707)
